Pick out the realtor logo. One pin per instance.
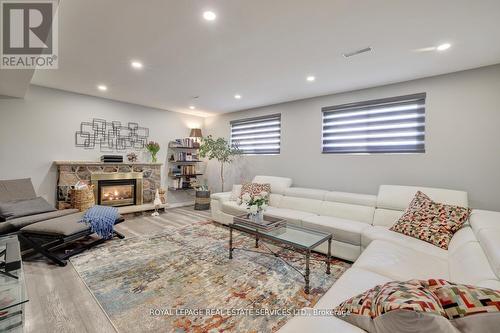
(29, 34)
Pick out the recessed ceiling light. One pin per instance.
(209, 15)
(192, 107)
(102, 87)
(136, 64)
(443, 47)
(237, 96)
(310, 78)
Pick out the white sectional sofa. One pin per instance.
(360, 224)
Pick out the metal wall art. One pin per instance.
(111, 136)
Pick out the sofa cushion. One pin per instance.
(347, 211)
(278, 184)
(306, 205)
(386, 217)
(490, 242)
(274, 199)
(21, 222)
(431, 221)
(292, 216)
(236, 192)
(23, 207)
(343, 230)
(383, 233)
(16, 189)
(486, 225)
(468, 264)
(399, 197)
(354, 281)
(400, 262)
(351, 283)
(62, 226)
(233, 208)
(308, 193)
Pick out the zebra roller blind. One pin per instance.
(390, 125)
(261, 135)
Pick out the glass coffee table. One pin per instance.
(299, 239)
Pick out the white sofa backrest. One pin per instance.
(342, 210)
(309, 193)
(398, 197)
(357, 207)
(302, 204)
(392, 201)
(278, 184)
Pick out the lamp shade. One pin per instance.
(195, 133)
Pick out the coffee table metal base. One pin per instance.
(307, 271)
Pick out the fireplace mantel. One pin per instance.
(102, 163)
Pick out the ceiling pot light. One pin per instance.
(209, 15)
(237, 96)
(310, 78)
(192, 107)
(102, 87)
(136, 64)
(443, 47)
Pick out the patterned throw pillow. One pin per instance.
(430, 221)
(368, 310)
(255, 188)
(424, 306)
(460, 300)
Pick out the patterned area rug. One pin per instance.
(183, 281)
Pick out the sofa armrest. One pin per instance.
(221, 196)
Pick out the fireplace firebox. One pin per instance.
(117, 189)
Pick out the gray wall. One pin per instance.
(39, 129)
(462, 141)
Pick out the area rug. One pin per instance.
(183, 281)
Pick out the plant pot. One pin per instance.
(202, 200)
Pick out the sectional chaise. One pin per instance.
(360, 226)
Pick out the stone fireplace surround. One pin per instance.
(70, 172)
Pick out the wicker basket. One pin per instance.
(82, 199)
(202, 200)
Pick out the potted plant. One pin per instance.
(256, 205)
(220, 150)
(153, 148)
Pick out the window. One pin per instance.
(261, 135)
(389, 125)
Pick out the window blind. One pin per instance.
(390, 125)
(261, 135)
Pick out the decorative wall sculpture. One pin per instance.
(111, 136)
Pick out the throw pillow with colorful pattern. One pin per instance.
(424, 306)
(255, 189)
(430, 221)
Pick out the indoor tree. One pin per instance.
(220, 150)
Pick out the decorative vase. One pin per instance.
(257, 217)
(153, 158)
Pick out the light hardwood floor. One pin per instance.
(60, 302)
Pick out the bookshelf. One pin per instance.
(183, 164)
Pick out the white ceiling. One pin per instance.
(262, 49)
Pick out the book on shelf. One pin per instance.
(183, 157)
(185, 143)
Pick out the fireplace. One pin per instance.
(117, 189)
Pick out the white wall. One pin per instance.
(39, 129)
(462, 141)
